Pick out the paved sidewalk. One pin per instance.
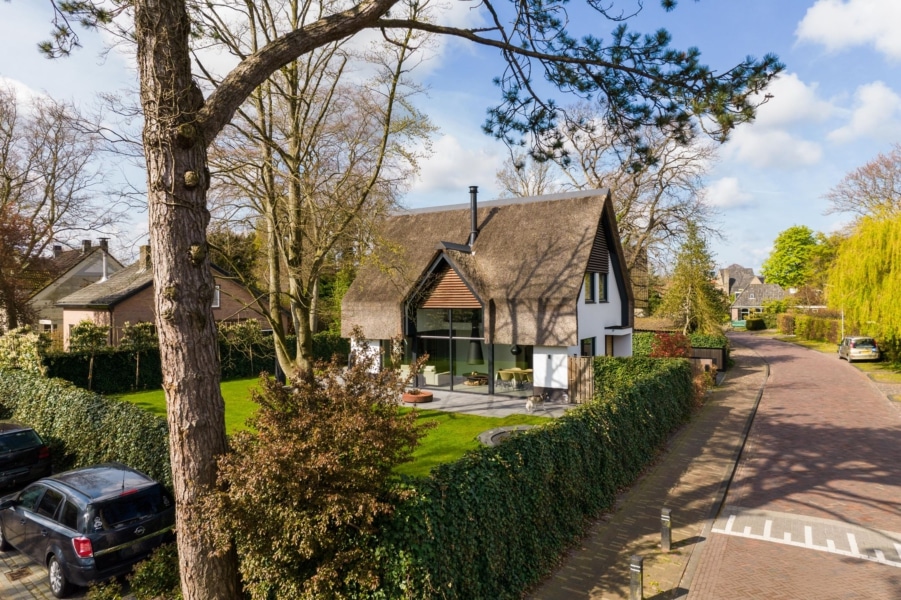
(690, 479)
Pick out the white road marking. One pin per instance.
(758, 519)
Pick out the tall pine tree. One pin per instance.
(691, 300)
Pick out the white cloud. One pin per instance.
(24, 94)
(842, 24)
(726, 193)
(763, 148)
(876, 115)
(793, 101)
(454, 167)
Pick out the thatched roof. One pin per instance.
(526, 266)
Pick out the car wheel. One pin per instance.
(4, 545)
(59, 585)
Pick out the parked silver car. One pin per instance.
(858, 348)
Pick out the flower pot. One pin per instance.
(417, 398)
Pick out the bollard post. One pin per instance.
(666, 529)
(636, 585)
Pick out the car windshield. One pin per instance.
(18, 440)
(864, 343)
(133, 507)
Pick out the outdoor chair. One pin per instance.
(506, 380)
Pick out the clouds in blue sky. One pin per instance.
(837, 105)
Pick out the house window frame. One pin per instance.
(602, 295)
(217, 297)
(590, 287)
(589, 343)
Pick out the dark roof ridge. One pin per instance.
(504, 202)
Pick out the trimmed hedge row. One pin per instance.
(493, 523)
(82, 428)
(114, 370)
(643, 341)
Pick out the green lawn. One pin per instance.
(453, 436)
(236, 393)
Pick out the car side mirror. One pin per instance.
(7, 504)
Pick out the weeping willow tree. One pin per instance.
(865, 279)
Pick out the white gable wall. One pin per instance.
(595, 318)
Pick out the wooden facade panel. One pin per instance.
(451, 292)
(599, 259)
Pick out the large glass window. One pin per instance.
(454, 342)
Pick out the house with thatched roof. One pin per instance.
(500, 295)
(127, 296)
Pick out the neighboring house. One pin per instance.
(735, 279)
(75, 270)
(127, 296)
(753, 297)
(499, 295)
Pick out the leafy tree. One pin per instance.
(315, 155)
(790, 263)
(24, 349)
(691, 299)
(138, 339)
(865, 279)
(245, 337)
(639, 81)
(89, 338)
(871, 190)
(302, 493)
(48, 180)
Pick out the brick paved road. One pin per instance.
(823, 466)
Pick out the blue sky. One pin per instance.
(837, 105)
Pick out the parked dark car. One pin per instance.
(858, 348)
(24, 457)
(89, 524)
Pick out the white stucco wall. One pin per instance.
(549, 367)
(595, 318)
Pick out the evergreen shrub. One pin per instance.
(642, 342)
(82, 428)
(755, 324)
(495, 522)
(785, 323)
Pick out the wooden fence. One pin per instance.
(717, 355)
(581, 379)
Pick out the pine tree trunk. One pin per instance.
(177, 180)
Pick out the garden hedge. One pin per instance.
(114, 370)
(82, 428)
(494, 523)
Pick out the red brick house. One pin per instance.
(127, 296)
